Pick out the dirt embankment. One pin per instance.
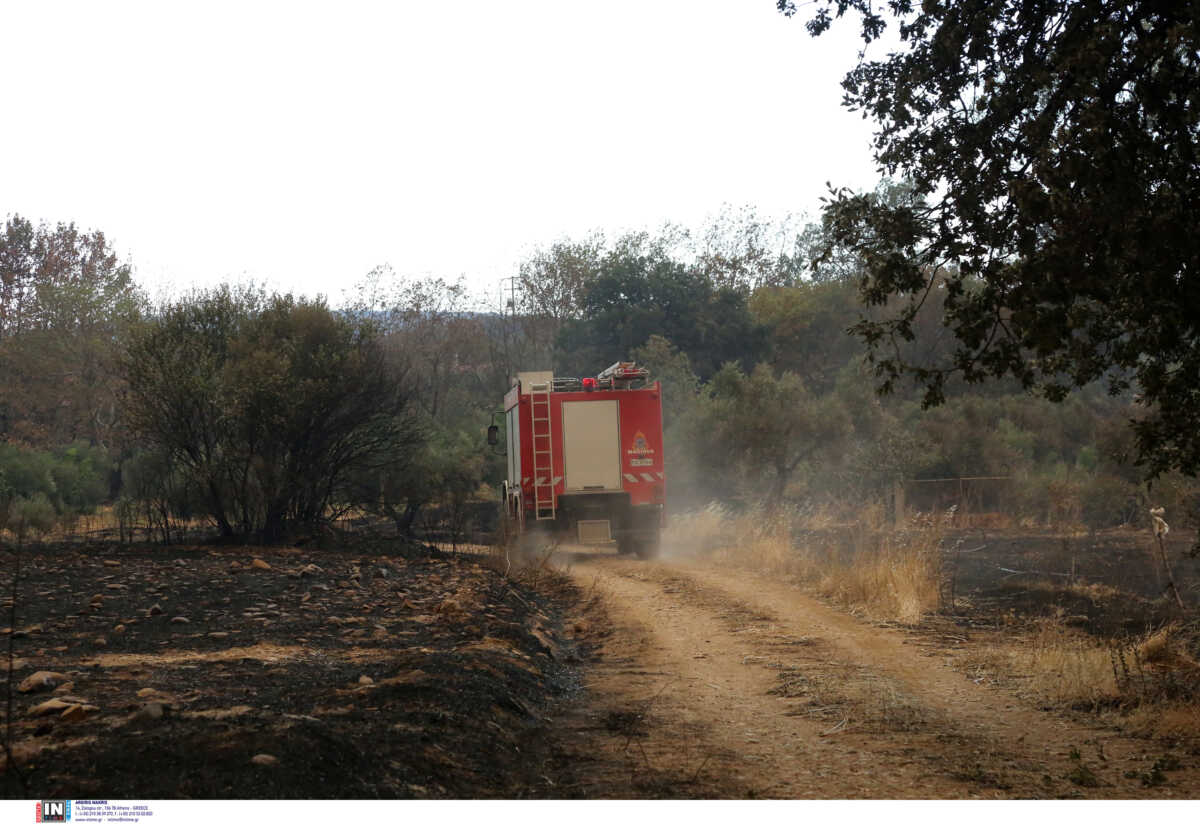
(716, 683)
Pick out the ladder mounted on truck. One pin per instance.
(544, 500)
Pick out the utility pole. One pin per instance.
(508, 315)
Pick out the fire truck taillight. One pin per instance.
(589, 384)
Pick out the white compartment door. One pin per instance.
(591, 446)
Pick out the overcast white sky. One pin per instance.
(302, 144)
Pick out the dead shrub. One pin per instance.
(1067, 667)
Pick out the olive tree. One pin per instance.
(766, 426)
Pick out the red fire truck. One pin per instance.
(585, 458)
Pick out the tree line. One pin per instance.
(269, 415)
(1026, 301)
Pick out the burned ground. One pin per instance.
(362, 673)
(1109, 584)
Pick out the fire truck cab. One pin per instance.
(585, 458)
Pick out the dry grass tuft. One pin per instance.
(898, 578)
(1165, 650)
(1067, 667)
(887, 574)
(1153, 682)
(1055, 663)
(1165, 721)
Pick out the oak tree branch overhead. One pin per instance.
(1051, 150)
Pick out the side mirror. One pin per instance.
(493, 435)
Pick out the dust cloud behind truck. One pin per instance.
(585, 458)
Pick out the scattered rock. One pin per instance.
(259, 563)
(98, 598)
(155, 609)
(114, 586)
(311, 569)
(366, 680)
(119, 629)
(405, 679)
(179, 619)
(220, 713)
(180, 562)
(78, 712)
(41, 680)
(112, 563)
(54, 705)
(235, 566)
(64, 688)
(100, 641)
(218, 635)
(264, 760)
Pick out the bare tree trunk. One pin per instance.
(1162, 553)
(1160, 529)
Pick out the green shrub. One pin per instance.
(73, 479)
(28, 472)
(80, 474)
(31, 515)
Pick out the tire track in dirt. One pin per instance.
(735, 685)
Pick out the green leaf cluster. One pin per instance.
(1050, 150)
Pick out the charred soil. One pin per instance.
(376, 672)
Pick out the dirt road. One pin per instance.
(719, 683)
